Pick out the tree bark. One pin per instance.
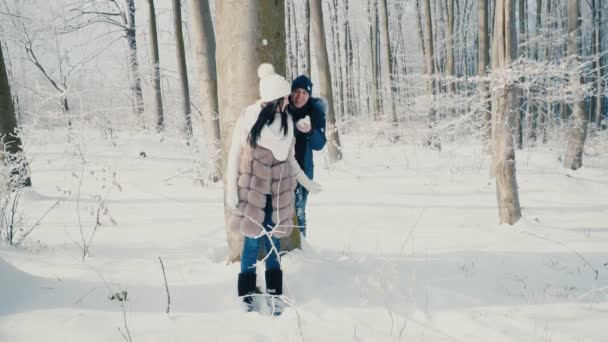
(421, 41)
(256, 39)
(430, 64)
(577, 131)
(598, 66)
(503, 53)
(334, 147)
(386, 67)
(450, 49)
(373, 39)
(182, 69)
(271, 47)
(207, 75)
(483, 59)
(158, 97)
(131, 35)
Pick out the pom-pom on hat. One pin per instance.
(272, 85)
(302, 82)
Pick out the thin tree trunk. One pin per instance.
(131, 34)
(520, 100)
(483, 59)
(388, 103)
(158, 97)
(207, 75)
(308, 68)
(334, 147)
(373, 39)
(573, 156)
(182, 69)
(10, 143)
(598, 67)
(503, 53)
(421, 41)
(430, 64)
(450, 49)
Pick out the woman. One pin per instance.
(261, 178)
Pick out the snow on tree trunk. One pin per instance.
(131, 34)
(182, 69)
(432, 139)
(577, 131)
(207, 74)
(483, 42)
(160, 117)
(334, 147)
(504, 111)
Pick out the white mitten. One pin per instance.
(303, 125)
(308, 183)
(232, 195)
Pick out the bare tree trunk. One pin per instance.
(483, 59)
(520, 100)
(430, 64)
(598, 67)
(307, 40)
(271, 19)
(573, 156)
(503, 53)
(237, 62)
(386, 67)
(10, 143)
(373, 38)
(182, 69)
(450, 49)
(256, 39)
(158, 97)
(421, 41)
(131, 34)
(207, 75)
(334, 148)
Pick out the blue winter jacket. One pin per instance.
(313, 140)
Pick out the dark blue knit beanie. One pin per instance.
(302, 82)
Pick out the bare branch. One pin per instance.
(166, 286)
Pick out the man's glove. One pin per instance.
(303, 125)
(308, 183)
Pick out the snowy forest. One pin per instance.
(464, 179)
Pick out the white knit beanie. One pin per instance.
(272, 86)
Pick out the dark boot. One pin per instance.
(274, 282)
(274, 287)
(246, 288)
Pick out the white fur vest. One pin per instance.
(261, 174)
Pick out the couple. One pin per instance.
(271, 153)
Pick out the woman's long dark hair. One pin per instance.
(266, 117)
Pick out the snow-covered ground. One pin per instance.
(403, 245)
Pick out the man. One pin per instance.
(309, 118)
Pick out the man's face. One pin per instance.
(299, 97)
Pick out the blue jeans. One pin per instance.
(301, 196)
(251, 246)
